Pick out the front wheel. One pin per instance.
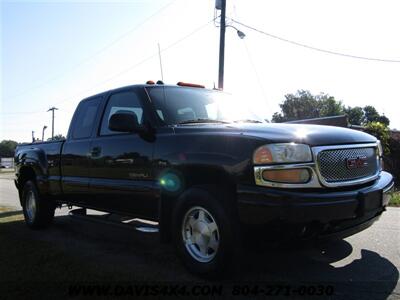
(200, 234)
(205, 233)
(38, 212)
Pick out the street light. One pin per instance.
(44, 128)
(240, 34)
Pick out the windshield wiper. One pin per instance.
(202, 121)
(247, 121)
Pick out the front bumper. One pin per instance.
(326, 211)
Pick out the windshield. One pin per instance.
(180, 105)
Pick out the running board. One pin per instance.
(141, 225)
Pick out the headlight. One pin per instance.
(380, 154)
(282, 153)
(380, 149)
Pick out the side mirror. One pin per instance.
(125, 122)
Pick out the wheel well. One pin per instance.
(25, 174)
(214, 180)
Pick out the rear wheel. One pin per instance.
(38, 212)
(204, 233)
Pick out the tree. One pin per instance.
(391, 148)
(278, 118)
(57, 137)
(384, 120)
(372, 115)
(304, 105)
(381, 132)
(329, 106)
(7, 148)
(355, 115)
(392, 161)
(301, 105)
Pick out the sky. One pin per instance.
(55, 53)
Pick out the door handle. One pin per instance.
(95, 152)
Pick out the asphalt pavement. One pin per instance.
(8, 192)
(363, 266)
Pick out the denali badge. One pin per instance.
(356, 162)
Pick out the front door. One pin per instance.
(121, 174)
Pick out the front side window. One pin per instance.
(124, 102)
(179, 105)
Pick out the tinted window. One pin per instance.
(176, 105)
(85, 118)
(127, 102)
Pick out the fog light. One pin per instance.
(287, 176)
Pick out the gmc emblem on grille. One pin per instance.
(356, 162)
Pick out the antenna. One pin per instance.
(162, 74)
(161, 69)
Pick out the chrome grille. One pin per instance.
(333, 165)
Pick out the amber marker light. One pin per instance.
(180, 83)
(287, 175)
(262, 156)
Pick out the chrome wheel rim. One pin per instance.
(31, 206)
(200, 234)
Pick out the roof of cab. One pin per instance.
(144, 85)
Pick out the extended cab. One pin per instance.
(206, 169)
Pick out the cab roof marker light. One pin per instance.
(180, 83)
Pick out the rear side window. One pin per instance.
(86, 116)
(126, 102)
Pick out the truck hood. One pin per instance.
(313, 135)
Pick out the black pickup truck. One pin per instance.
(206, 169)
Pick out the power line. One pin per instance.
(316, 48)
(249, 56)
(67, 99)
(101, 50)
(256, 74)
(21, 112)
(141, 62)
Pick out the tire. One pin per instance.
(38, 212)
(205, 233)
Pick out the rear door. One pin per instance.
(75, 157)
(121, 173)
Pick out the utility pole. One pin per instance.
(221, 5)
(33, 136)
(44, 128)
(52, 109)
